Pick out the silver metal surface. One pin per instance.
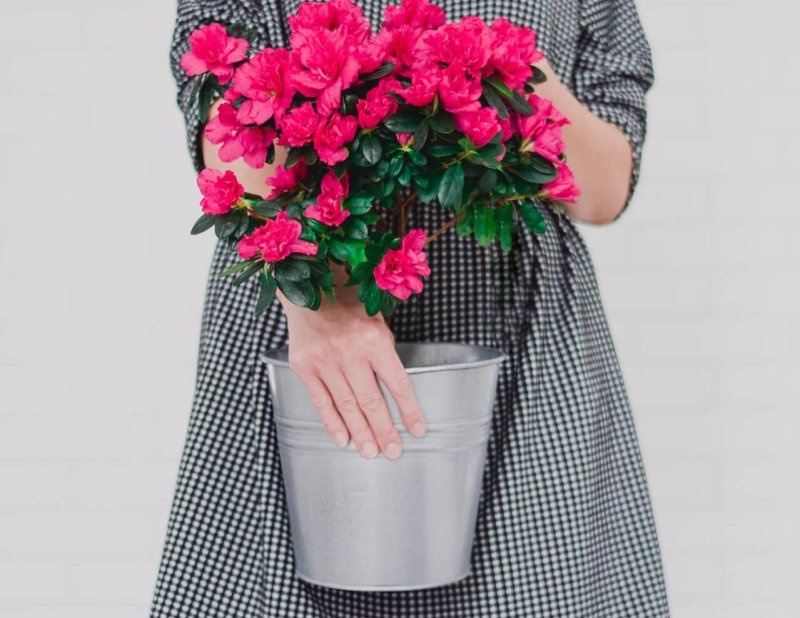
(386, 524)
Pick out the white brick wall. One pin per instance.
(95, 380)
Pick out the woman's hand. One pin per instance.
(337, 352)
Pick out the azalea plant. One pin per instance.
(423, 111)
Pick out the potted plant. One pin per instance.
(423, 112)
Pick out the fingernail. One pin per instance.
(341, 438)
(392, 450)
(418, 429)
(369, 450)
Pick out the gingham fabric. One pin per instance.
(565, 526)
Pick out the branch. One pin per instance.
(443, 229)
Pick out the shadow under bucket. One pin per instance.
(384, 524)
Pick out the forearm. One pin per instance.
(598, 153)
(253, 180)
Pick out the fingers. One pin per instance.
(328, 413)
(347, 406)
(372, 403)
(390, 370)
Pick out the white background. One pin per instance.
(101, 299)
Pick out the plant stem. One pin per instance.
(403, 212)
(441, 230)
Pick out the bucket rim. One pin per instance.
(494, 356)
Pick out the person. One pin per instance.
(565, 524)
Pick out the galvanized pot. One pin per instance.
(384, 524)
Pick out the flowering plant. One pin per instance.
(423, 110)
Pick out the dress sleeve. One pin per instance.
(614, 70)
(193, 14)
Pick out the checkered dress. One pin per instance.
(565, 527)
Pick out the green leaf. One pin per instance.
(360, 201)
(428, 185)
(495, 100)
(420, 135)
(371, 295)
(485, 225)
(388, 303)
(235, 268)
(532, 175)
(404, 177)
(267, 293)
(208, 90)
(355, 227)
(382, 71)
(538, 162)
(267, 208)
(371, 148)
(417, 158)
(465, 225)
(295, 210)
(520, 105)
(293, 156)
(225, 225)
(538, 76)
(395, 165)
(346, 250)
(500, 87)
(348, 104)
(487, 181)
(485, 160)
(504, 216)
(310, 157)
(301, 293)
(248, 272)
(442, 123)
(197, 84)
(292, 270)
(451, 187)
(532, 218)
(403, 122)
(205, 222)
(443, 150)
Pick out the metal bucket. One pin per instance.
(384, 524)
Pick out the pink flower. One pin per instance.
(424, 86)
(479, 125)
(312, 18)
(467, 43)
(513, 53)
(544, 139)
(419, 14)
(298, 125)
(325, 65)
(238, 140)
(370, 54)
(400, 270)
(541, 131)
(330, 141)
(328, 207)
(263, 81)
(564, 187)
(276, 240)
(286, 180)
(404, 139)
(211, 49)
(399, 45)
(221, 190)
(378, 104)
(459, 89)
